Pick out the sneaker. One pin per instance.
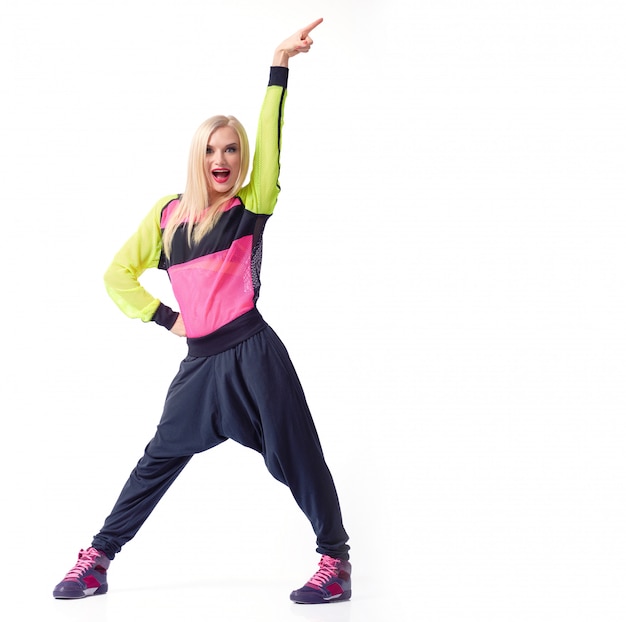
(87, 578)
(329, 584)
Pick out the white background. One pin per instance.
(445, 265)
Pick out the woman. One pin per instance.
(237, 381)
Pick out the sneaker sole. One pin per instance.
(325, 601)
(92, 591)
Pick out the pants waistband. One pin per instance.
(228, 336)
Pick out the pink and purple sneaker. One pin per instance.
(87, 578)
(331, 583)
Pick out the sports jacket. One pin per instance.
(216, 282)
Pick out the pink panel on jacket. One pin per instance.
(215, 289)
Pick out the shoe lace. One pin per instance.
(328, 570)
(86, 559)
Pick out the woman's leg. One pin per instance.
(269, 413)
(187, 427)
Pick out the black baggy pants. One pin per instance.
(250, 393)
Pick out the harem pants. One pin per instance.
(249, 393)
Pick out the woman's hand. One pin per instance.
(297, 43)
(179, 327)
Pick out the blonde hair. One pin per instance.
(194, 209)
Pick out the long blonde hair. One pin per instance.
(194, 208)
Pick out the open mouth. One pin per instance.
(220, 175)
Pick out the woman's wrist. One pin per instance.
(281, 58)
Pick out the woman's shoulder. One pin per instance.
(166, 200)
(164, 207)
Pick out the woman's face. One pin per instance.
(222, 161)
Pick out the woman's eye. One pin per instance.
(209, 150)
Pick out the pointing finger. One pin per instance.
(307, 29)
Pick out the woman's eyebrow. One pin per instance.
(210, 146)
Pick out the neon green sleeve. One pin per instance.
(261, 193)
(141, 251)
